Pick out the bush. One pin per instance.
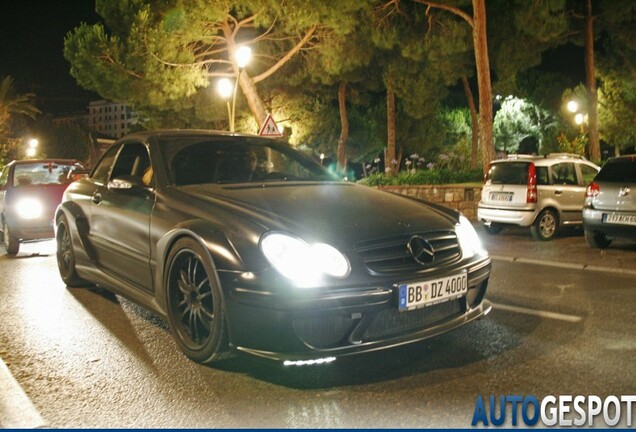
(427, 176)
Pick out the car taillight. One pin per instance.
(486, 173)
(592, 190)
(531, 195)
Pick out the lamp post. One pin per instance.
(224, 87)
(32, 147)
(242, 56)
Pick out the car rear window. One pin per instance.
(515, 173)
(621, 170)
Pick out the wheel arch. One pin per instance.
(554, 209)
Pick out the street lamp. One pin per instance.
(573, 106)
(32, 147)
(225, 89)
(579, 119)
(242, 56)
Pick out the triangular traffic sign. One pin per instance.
(270, 129)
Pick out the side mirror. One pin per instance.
(129, 183)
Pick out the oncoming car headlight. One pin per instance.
(301, 262)
(469, 241)
(29, 208)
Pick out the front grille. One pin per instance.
(390, 255)
(393, 323)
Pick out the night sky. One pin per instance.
(31, 50)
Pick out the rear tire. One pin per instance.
(597, 240)
(66, 256)
(494, 228)
(545, 226)
(11, 243)
(196, 308)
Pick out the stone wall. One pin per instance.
(462, 198)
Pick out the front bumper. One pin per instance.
(345, 321)
(31, 229)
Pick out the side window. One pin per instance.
(133, 160)
(564, 174)
(101, 171)
(587, 174)
(542, 176)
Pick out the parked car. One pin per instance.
(244, 244)
(30, 191)
(610, 203)
(542, 192)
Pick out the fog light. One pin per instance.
(311, 362)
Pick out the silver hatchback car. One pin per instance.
(610, 203)
(542, 192)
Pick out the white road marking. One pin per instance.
(574, 266)
(539, 313)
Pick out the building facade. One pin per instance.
(112, 119)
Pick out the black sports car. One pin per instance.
(244, 244)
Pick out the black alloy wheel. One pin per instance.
(11, 243)
(66, 255)
(196, 309)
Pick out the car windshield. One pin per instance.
(224, 160)
(42, 173)
(619, 170)
(515, 173)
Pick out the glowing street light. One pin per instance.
(573, 106)
(242, 56)
(579, 119)
(32, 147)
(225, 88)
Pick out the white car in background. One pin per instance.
(542, 192)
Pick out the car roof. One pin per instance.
(144, 135)
(45, 161)
(544, 160)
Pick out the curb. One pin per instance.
(16, 409)
(572, 266)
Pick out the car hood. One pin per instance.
(339, 213)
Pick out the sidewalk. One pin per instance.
(16, 410)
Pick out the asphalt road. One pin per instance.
(87, 358)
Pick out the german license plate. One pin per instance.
(433, 291)
(501, 196)
(617, 218)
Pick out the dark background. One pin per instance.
(32, 36)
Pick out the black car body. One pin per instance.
(243, 243)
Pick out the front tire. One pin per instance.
(11, 243)
(597, 240)
(196, 309)
(545, 226)
(66, 255)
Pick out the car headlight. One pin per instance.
(469, 241)
(301, 262)
(29, 208)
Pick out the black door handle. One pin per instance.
(97, 198)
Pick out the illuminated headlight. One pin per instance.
(29, 208)
(469, 241)
(301, 262)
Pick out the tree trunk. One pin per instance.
(254, 100)
(483, 81)
(474, 123)
(344, 131)
(389, 157)
(590, 78)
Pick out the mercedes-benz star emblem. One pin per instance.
(421, 250)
